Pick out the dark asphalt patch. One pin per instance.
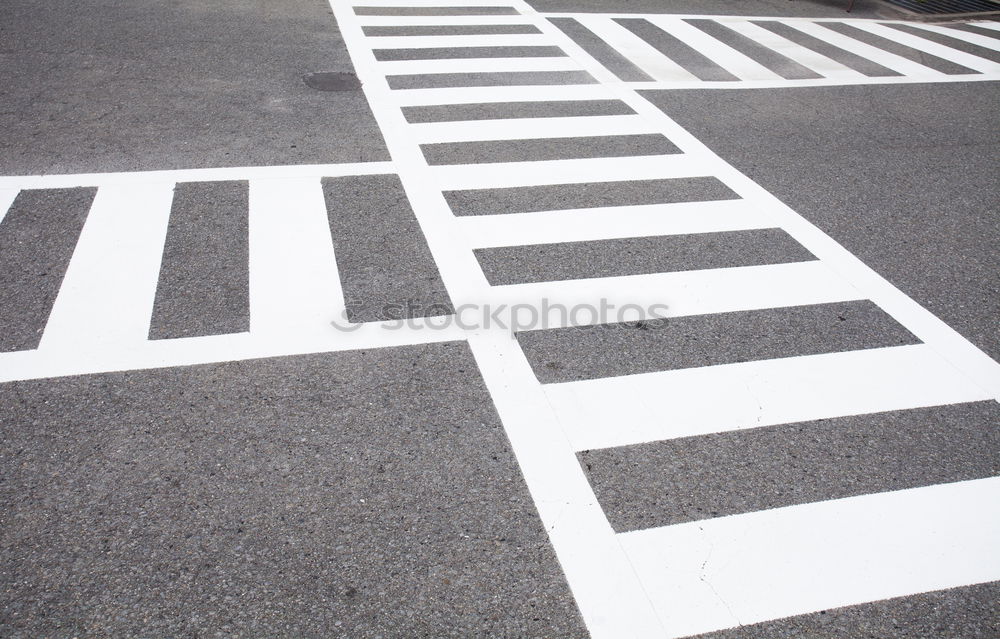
(324, 81)
(508, 110)
(680, 52)
(604, 53)
(204, 285)
(355, 494)
(844, 57)
(598, 146)
(570, 354)
(638, 255)
(386, 268)
(37, 238)
(488, 79)
(560, 197)
(969, 612)
(741, 471)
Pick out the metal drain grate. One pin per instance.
(947, 7)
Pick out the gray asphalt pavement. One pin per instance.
(175, 461)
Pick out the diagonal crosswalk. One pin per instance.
(708, 51)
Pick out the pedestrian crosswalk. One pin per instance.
(659, 51)
(544, 222)
(540, 176)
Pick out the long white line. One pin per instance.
(194, 175)
(622, 411)
(745, 569)
(679, 293)
(529, 128)
(578, 225)
(821, 82)
(477, 65)
(458, 41)
(510, 174)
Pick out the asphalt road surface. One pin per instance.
(468, 318)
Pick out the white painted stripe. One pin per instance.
(475, 95)
(933, 48)
(294, 283)
(827, 67)
(529, 128)
(818, 82)
(459, 41)
(994, 26)
(485, 176)
(722, 54)
(744, 569)
(676, 294)
(188, 351)
(972, 38)
(886, 59)
(478, 65)
(638, 51)
(194, 175)
(7, 197)
(106, 297)
(579, 225)
(621, 411)
(417, 21)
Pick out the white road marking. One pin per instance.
(847, 43)
(672, 404)
(684, 293)
(459, 41)
(827, 67)
(294, 283)
(508, 174)
(947, 53)
(972, 38)
(529, 128)
(579, 225)
(638, 51)
(59, 181)
(655, 583)
(719, 573)
(720, 53)
(106, 298)
(617, 597)
(478, 65)
(7, 197)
